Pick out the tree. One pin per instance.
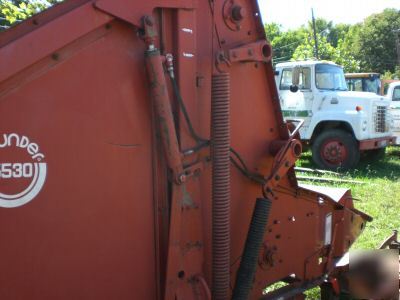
(306, 49)
(375, 45)
(394, 75)
(337, 33)
(284, 43)
(13, 11)
(345, 48)
(341, 54)
(335, 43)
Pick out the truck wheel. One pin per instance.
(335, 149)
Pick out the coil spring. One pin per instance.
(220, 145)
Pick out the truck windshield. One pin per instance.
(371, 84)
(330, 77)
(396, 93)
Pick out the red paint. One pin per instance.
(110, 221)
(376, 143)
(334, 152)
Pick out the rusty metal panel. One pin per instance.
(48, 39)
(88, 233)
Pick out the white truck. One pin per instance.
(339, 125)
(393, 94)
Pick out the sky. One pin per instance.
(293, 13)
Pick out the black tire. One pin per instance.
(327, 293)
(335, 149)
(373, 155)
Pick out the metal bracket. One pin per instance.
(150, 32)
(259, 51)
(391, 242)
(285, 158)
(191, 171)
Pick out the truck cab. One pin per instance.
(339, 124)
(393, 96)
(364, 82)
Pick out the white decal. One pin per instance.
(190, 55)
(30, 173)
(328, 229)
(187, 30)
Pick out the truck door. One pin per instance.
(395, 110)
(296, 105)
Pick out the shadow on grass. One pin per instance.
(395, 153)
(386, 168)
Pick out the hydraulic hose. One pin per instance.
(248, 263)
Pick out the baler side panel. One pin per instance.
(89, 232)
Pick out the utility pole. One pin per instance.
(315, 35)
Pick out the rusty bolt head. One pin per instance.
(169, 57)
(197, 172)
(55, 56)
(238, 13)
(277, 177)
(182, 178)
(148, 21)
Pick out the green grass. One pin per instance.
(379, 196)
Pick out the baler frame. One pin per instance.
(201, 230)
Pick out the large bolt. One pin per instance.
(182, 178)
(148, 21)
(238, 13)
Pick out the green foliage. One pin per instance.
(392, 75)
(16, 11)
(338, 33)
(345, 49)
(306, 49)
(334, 43)
(375, 45)
(284, 43)
(341, 54)
(365, 47)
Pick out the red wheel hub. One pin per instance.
(334, 152)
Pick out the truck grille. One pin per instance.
(380, 118)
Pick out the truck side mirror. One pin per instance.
(296, 75)
(294, 88)
(295, 79)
